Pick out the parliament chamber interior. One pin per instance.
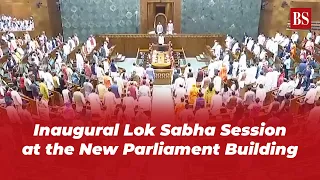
(207, 61)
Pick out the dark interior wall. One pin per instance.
(86, 17)
(221, 16)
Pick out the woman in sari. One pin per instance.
(194, 91)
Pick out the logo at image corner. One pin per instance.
(300, 18)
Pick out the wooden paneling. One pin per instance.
(144, 19)
(275, 18)
(128, 45)
(46, 17)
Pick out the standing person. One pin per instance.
(113, 69)
(44, 91)
(27, 84)
(209, 92)
(43, 108)
(79, 100)
(200, 76)
(159, 29)
(66, 94)
(130, 105)
(95, 104)
(109, 101)
(88, 87)
(150, 73)
(170, 28)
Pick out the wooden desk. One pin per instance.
(128, 44)
(162, 76)
(160, 60)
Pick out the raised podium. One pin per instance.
(160, 56)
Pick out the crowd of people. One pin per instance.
(238, 85)
(8, 23)
(95, 88)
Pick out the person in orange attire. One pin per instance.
(179, 107)
(194, 91)
(107, 80)
(223, 73)
(293, 51)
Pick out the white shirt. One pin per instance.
(311, 96)
(66, 49)
(49, 80)
(179, 81)
(243, 62)
(256, 49)
(261, 93)
(261, 39)
(261, 80)
(100, 72)
(294, 37)
(250, 44)
(144, 103)
(317, 40)
(180, 93)
(65, 95)
(161, 40)
(235, 48)
(309, 35)
(189, 83)
(80, 62)
(159, 29)
(284, 88)
(217, 81)
(17, 100)
(144, 90)
(140, 71)
(170, 28)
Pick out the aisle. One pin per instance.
(162, 104)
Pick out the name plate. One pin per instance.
(163, 75)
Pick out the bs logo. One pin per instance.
(300, 18)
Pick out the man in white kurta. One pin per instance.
(161, 39)
(49, 80)
(261, 39)
(180, 92)
(217, 49)
(79, 61)
(170, 28)
(243, 62)
(217, 81)
(295, 37)
(250, 44)
(159, 28)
